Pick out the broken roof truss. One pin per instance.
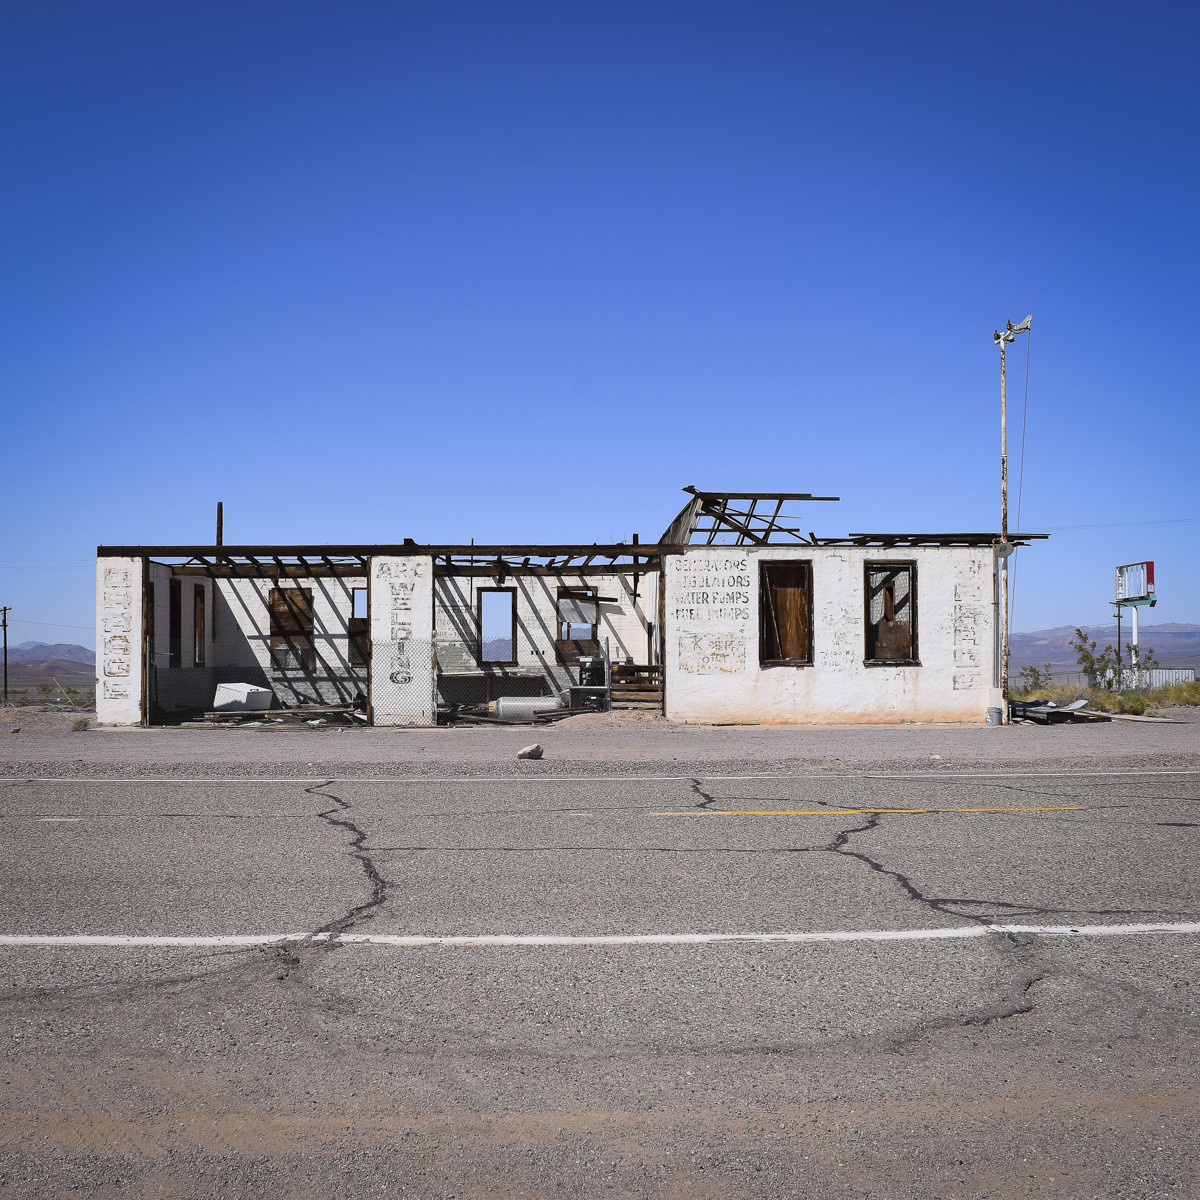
(708, 518)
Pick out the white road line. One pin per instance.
(66, 820)
(118, 939)
(638, 939)
(525, 781)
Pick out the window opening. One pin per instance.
(292, 629)
(175, 624)
(891, 612)
(359, 629)
(785, 613)
(198, 625)
(498, 626)
(578, 621)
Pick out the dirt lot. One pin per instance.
(618, 743)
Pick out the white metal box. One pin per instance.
(241, 697)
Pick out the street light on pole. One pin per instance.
(1005, 549)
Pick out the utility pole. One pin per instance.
(1119, 671)
(1004, 549)
(4, 622)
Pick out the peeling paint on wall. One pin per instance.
(402, 652)
(713, 672)
(119, 657)
(712, 653)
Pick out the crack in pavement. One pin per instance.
(1016, 1007)
(942, 904)
(697, 790)
(379, 885)
(1017, 945)
(839, 844)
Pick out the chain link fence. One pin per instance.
(402, 682)
(179, 694)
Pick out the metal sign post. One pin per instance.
(1135, 589)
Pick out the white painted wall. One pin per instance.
(401, 611)
(242, 642)
(118, 641)
(712, 639)
(622, 621)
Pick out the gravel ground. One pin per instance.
(613, 744)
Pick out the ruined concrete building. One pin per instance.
(734, 615)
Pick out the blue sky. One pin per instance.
(520, 271)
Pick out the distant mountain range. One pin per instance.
(42, 651)
(32, 664)
(1174, 645)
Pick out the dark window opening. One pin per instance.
(578, 621)
(891, 595)
(498, 626)
(358, 627)
(785, 613)
(198, 626)
(292, 629)
(175, 624)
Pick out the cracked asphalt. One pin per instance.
(1001, 1065)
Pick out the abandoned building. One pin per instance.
(734, 615)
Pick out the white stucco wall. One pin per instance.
(241, 650)
(712, 663)
(118, 641)
(622, 621)
(402, 651)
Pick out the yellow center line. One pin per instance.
(844, 812)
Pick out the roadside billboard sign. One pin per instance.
(1135, 584)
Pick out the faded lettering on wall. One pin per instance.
(117, 620)
(968, 628)
(712, 653)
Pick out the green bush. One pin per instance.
(1177, 693)
(1099, 699)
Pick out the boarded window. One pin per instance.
(198, 634)
(292, 629)
(359, 630)
(175, 624)
(578, 619)
(498, 626)
(785, 613)
(891, 595)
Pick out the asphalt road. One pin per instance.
(348, 1062)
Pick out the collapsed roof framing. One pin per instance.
(223, 562)
(709, 515)
(737, 518)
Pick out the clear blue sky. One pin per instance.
(519, 271)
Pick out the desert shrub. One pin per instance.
(79, 724)
(1060, 693)
(1033, 678)
(1177, 693)
(1100, 699)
